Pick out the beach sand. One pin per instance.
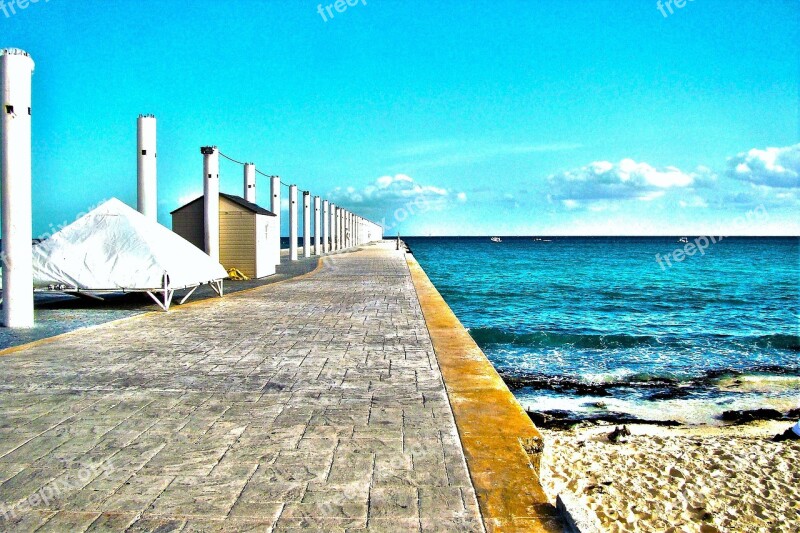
(679, 479)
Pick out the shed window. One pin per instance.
(9, 109)
(144, 152)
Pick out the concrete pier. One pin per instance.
(325, 410)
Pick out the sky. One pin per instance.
(432, 118)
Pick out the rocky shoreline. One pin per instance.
(560, 420)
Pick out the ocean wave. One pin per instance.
(779, 341)
(654, 386)
(548, 339)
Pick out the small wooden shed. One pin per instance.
(249, 236)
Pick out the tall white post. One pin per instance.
(306, 224)
(293, 222)
(326, 218)
(16, 72)
(275, 206)
(250, 182)
(211, 200)
(339, 229)
(317, 229)
(333, 227)
(146, 166)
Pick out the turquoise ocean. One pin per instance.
(585, 327)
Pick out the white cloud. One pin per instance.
(771, 167)
(391, 192)
(626, 180)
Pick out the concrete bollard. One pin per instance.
(146, 167)
(317, 231)
(306, 224)
(16, 73)
(211, 200)
(293, 222)
(250, 182)
(326, 220)
(275, 207)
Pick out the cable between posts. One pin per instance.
(260, 172)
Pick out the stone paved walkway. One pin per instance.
(312, 404)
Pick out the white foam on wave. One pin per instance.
(685, 411)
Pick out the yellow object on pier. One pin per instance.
(236, 274)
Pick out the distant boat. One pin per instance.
(683, 239)
(495, 239)
(542, 240)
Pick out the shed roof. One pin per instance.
(250, 206)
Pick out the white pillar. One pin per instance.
(250, 182)
(293, 222)
(16, 72)
(146, 167)
(333, 227)
(317, 232)
(306, 224)
(275, 206)
(339, 228)
(326, 218)
(211, 200)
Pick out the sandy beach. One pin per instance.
(679, 478)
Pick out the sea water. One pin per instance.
(590, 326)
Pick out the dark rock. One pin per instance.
(789, 434)
(619, 434)
(673, 393)
(743, 417)
(563, 420)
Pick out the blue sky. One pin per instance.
(443, 118)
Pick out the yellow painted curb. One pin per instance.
(501, 444)
(205, 301)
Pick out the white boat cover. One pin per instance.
(114, 247)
